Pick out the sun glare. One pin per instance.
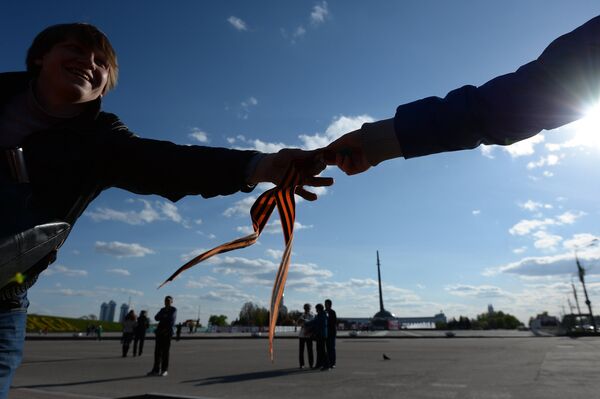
(588, 129)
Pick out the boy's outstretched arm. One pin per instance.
(271, 168)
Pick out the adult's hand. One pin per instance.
(272, 167)
(348, 154)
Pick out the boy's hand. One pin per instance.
(348, 154)
(308, 164)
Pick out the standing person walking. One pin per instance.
(305, 337)
(164, 331)
(178, 334)
(99, 332)
(129, 324)
(139, 333)
(331, 332)
(319, 328)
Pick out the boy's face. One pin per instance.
(73, 72)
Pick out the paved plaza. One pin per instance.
(492, 367)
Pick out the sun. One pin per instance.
(587, 129)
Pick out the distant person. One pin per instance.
(164, 332)
(178, 331)
(99, 330)
(305, 337)
(128, 328)
(331, 333)
(139, 333)
(59, 151)
(319, 329)
(555, 89)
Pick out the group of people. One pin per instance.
(59, 151)
(134, 328)
(322, 329)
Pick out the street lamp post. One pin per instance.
(581, 272)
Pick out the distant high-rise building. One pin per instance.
(490, 310)
(112, 306)
(124, 310)
(103, 311)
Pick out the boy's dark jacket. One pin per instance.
(71, 163)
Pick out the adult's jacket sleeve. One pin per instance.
(549, 92)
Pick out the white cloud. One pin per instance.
(191, 255)
(560, 264)
(275, 227)
(274, 253)
(570, 217)
(120, 290)
(534, 206)
(250, 102)
(487, 150)
(581, 240)
(339, 126)
(480, 291)
(524, 147)
(549, 160)
(199, 135)
(545, 240)
(65, 271)
(299, 32)
(70, 292)
(166, 211)
(476, 212)
(319, 13)
(547, 173)
(122, 250)
(519, 250)
(525, 226)
(122, 272)
(245, 107)
(237, 23)
(519, 149)
(218, 291)
(240, 208)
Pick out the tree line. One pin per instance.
(485, 321)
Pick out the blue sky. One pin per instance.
(455, 231)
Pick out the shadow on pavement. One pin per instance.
(70, 384)
(246, 376)
(70, 359)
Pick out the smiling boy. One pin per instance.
(72, 151)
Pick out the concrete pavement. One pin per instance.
(482, 368)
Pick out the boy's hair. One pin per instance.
(319, 307)
(87, 34)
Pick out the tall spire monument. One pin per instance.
(381, 309)
(381, 319)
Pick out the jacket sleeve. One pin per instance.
(147, 166)
(549, 92)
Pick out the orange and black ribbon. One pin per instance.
(283, 196)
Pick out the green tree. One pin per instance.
(220, 320)
(252, 315)
(497, 320)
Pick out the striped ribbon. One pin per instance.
(282, 196)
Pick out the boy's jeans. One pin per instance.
(12, 337)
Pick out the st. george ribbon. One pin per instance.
(283, 196)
